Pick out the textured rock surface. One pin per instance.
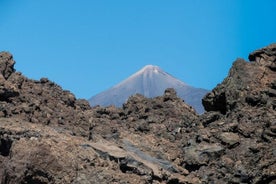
(247, 101)
(49, 136)
(38, 101)
(7, 63)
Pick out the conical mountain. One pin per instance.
(150, 81)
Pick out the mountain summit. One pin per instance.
(150, 81)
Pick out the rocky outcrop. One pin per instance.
(246, 102)
(40, 101)
(265, 57)
(49, 136)
(250, 83)
(7, 89)
(7, 63)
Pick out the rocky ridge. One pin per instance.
(49, 136)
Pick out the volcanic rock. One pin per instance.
(7, 63)
(49, 136)
(265, 56)
(247, 103)
(229, 138)
(246, 83)
(38, 101)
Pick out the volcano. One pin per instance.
(151, 81)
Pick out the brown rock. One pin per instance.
(6, 64)
(265, 56)
(158, 140)
(229, 138)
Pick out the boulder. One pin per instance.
(265, 56)
(6, 64)
(197, 155)
(229, 138)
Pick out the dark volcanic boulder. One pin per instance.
(7, 88)
(247, 83)
(230, 92)
(6, 64)
(265, 56)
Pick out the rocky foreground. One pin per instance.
(49, 136)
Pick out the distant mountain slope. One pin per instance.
(150, 81)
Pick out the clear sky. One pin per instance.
(88, 46)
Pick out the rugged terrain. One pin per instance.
(49, 136)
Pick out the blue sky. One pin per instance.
(90, 45)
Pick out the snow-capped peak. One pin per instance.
(150, 81)
(149, 69)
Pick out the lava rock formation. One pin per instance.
(49, 136)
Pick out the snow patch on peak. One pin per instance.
(151, 68)
(147, 72)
